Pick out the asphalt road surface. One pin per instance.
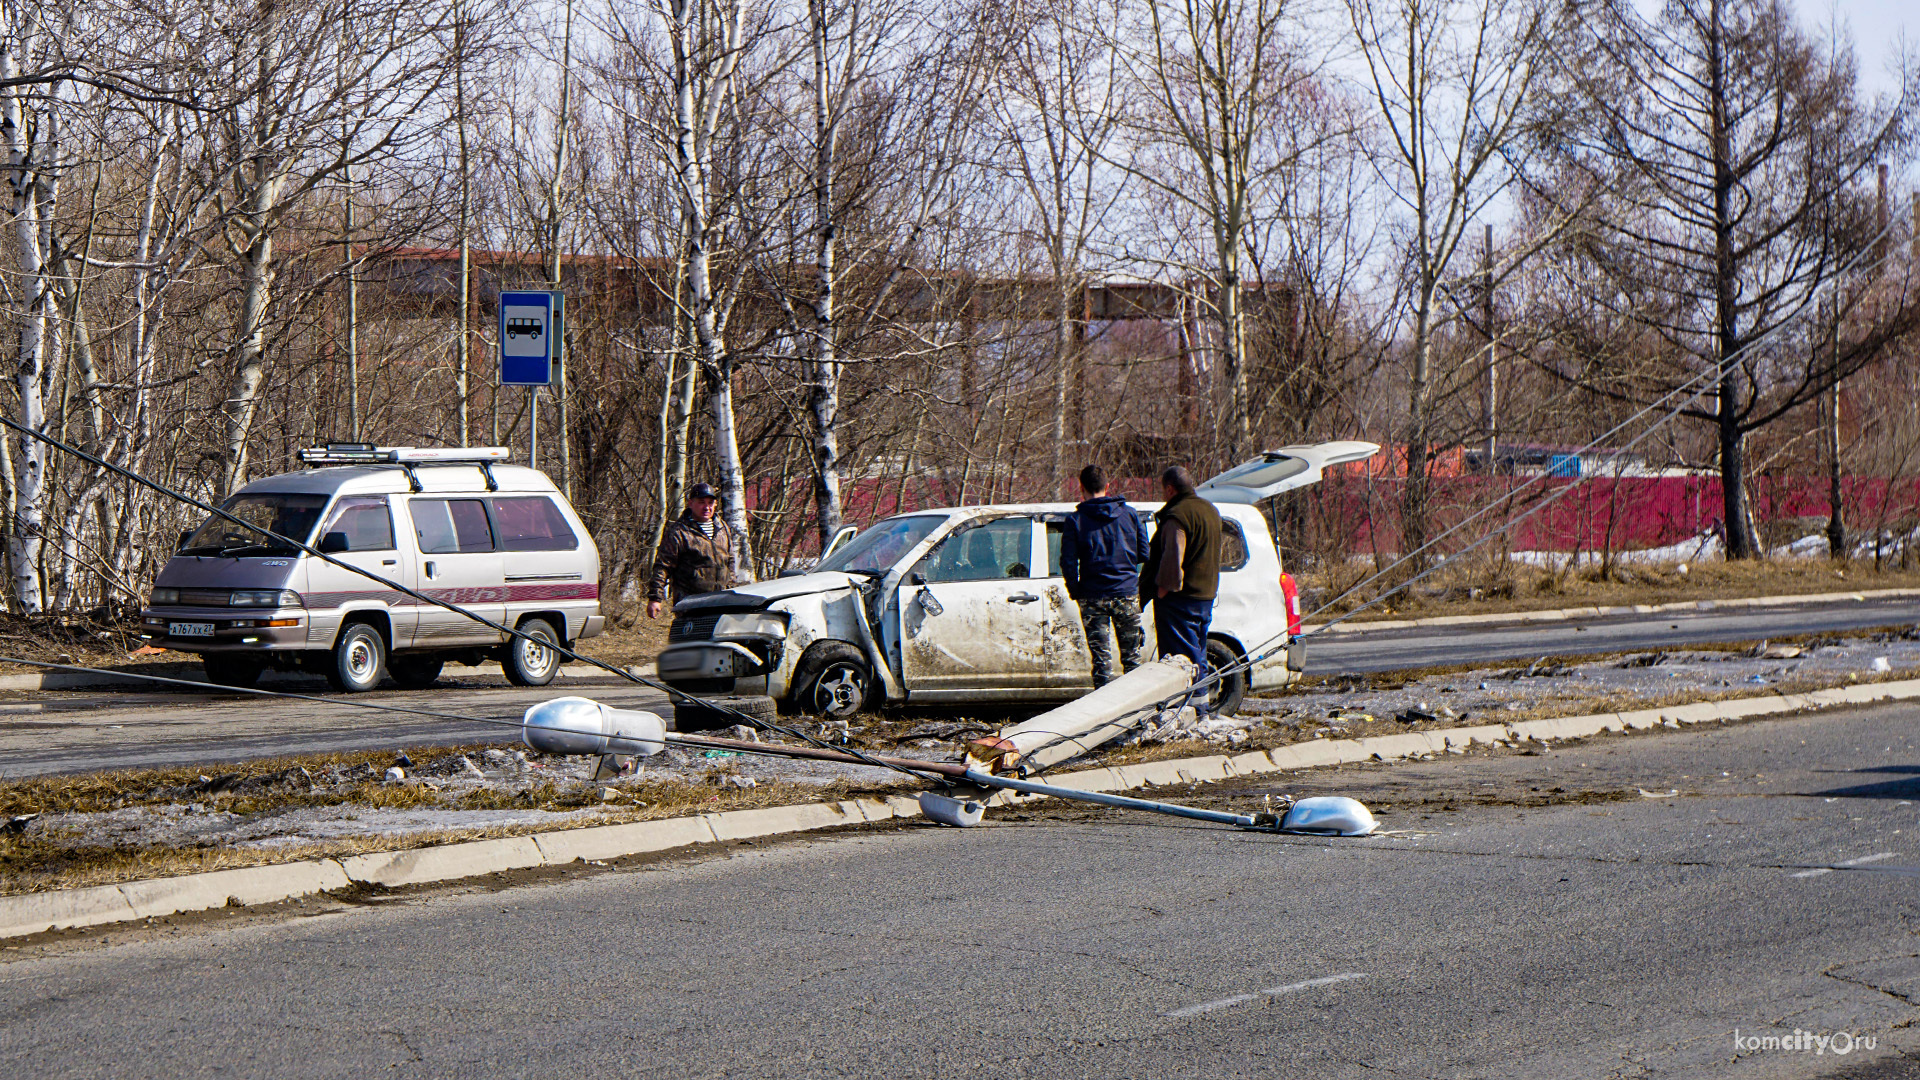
(64, 731)
(1388, 650)
(76, 731)
(1555, 915)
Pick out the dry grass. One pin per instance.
(37, 863)
(1274, 737)
(1487, 586)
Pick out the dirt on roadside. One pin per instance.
(1488, 586)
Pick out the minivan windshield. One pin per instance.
(877, 549)
(291, 514)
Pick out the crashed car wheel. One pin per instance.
(1224, 697)
(840, 691)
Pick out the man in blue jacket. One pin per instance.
(1101, 550)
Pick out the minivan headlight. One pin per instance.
(164, 596)
(265, 598)
(751, 624)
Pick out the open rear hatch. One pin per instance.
(1282, 470)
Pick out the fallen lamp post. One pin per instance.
(575, 725)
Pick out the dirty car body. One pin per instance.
(967, 604)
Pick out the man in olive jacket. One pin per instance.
(1182, 574)
(697, 553)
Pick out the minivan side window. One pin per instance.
(364, 521)
(532, 523)
(449, 526)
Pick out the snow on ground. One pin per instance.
(1336, 707)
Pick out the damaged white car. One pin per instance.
(967, 605)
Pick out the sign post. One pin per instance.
(531, 323)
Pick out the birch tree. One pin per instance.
(30, 117)
(1210, 76)
(1060, 110)
(324, 87)
(1452, 83)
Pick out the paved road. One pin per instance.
(58, 731)
(74, 731)
(1593, 936)
(1387, 650)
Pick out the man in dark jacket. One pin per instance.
(1100, 553)
(697, 553)
(1183, 571)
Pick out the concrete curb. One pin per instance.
(79, 680)
(1570, 614)
(36, 912)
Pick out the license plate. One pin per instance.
(189, 629)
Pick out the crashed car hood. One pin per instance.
(762, 593)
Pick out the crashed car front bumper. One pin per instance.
(710, 660)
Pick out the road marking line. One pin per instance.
(1271, 991)
(1861, 861)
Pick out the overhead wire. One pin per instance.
(672, 738)
(1666, 402)
(1250, 658)
(673, 693)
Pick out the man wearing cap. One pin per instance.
(696, 555)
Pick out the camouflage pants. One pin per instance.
(1124, 613)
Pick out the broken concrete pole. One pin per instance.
(1079, 726)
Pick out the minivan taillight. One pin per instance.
(1291, 590)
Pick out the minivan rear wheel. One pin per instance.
(231, 670)
(1224, 696)
(359, 659)
(536, 662)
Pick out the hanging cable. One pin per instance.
(674, 694)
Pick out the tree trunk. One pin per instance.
(824, 398)
(1415, 494)
(257, 273)
(31, 207)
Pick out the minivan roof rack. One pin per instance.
(408, 457)
(346, 453)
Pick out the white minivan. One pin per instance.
(457, 525)
(967, 604)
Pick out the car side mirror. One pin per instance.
(185, 535)
(1018, 569)
(917, 578)
(333, 543)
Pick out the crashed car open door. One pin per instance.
(1282, 470)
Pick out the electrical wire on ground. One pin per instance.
(674, 694)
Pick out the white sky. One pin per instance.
(1880, 30)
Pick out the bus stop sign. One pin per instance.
(530, 328)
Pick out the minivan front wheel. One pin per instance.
(359, 659)
(535, 662)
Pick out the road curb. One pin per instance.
(68, 908)
(80, 680)
(1568, 614)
